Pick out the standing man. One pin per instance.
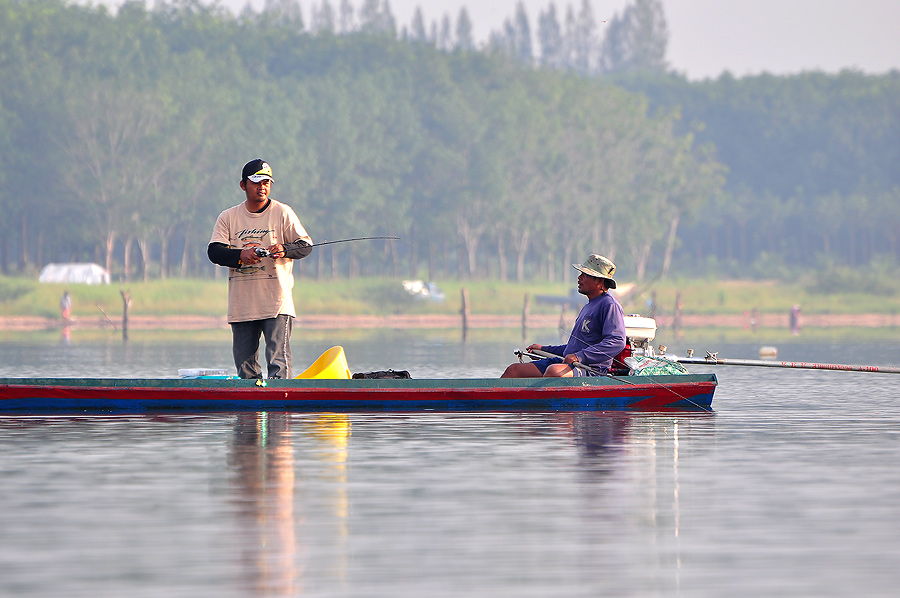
(65, 306)
(598, 335)
(259, 286)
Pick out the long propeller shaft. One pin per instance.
(713, 359)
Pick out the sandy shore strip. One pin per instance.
(403, 321)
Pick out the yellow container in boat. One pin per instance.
(332, 364)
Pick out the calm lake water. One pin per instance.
(791, 488)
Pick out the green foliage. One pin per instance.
(882, 278)
(769, 266)
(169, 297)
(144, 117)
(11, 289)
(134, 125)
(811, 163)
(854, 294)
(390, 296)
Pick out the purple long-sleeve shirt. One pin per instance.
(598, 335)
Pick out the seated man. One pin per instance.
(598, 335)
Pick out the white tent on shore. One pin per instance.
(75, 274)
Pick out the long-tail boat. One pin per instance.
(328, 385)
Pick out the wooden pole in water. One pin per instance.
(562, 321)
(464, 310)
(126, 303)
(676, 317)
(713, 360)
(526, 307)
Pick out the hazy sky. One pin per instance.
(707, 37)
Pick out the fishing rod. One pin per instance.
(353, 239)
(713, 359)
(539, 354)
(263, 252)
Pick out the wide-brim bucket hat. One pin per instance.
(599, 266)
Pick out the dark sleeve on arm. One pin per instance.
(297, 250)
(223, 255)
(555, 349)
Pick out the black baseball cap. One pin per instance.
(256, 171)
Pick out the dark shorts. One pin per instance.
(543, 364)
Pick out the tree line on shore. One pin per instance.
(124, 135)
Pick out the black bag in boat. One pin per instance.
(383, 374)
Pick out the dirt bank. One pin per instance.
(314, 322)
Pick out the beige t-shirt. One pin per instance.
(262, 290)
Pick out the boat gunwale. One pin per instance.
(361, 383)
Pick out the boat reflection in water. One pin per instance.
(330, 433)
(264, 466)
(600, 436)
(263, 463)
(628, 472)
(611, 477)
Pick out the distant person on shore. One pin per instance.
(598, 335)
(65, 306)
(795, 319)
(258, 240)
(752, 319)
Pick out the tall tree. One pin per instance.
(583, 39)
(370, 16)
(284, 12)
(417, 31)
(550, 38)
(376, 17)
(445, 37)
(637, 41)
(322, 18)
(523, 43)
(464, 38)
(388, 22)
(109, 150)
(346, 17)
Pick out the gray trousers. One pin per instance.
(245, 346)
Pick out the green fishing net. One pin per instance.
(653, 366)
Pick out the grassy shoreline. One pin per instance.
(714, 311)
(381, 296)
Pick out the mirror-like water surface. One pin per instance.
(791, 488)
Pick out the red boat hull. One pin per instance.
(691, 392)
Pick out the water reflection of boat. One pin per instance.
(630, 468)
(263, 463)
(267, 452)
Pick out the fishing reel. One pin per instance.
(263, 252)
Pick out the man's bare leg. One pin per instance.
(558, 370)
(522, 370)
